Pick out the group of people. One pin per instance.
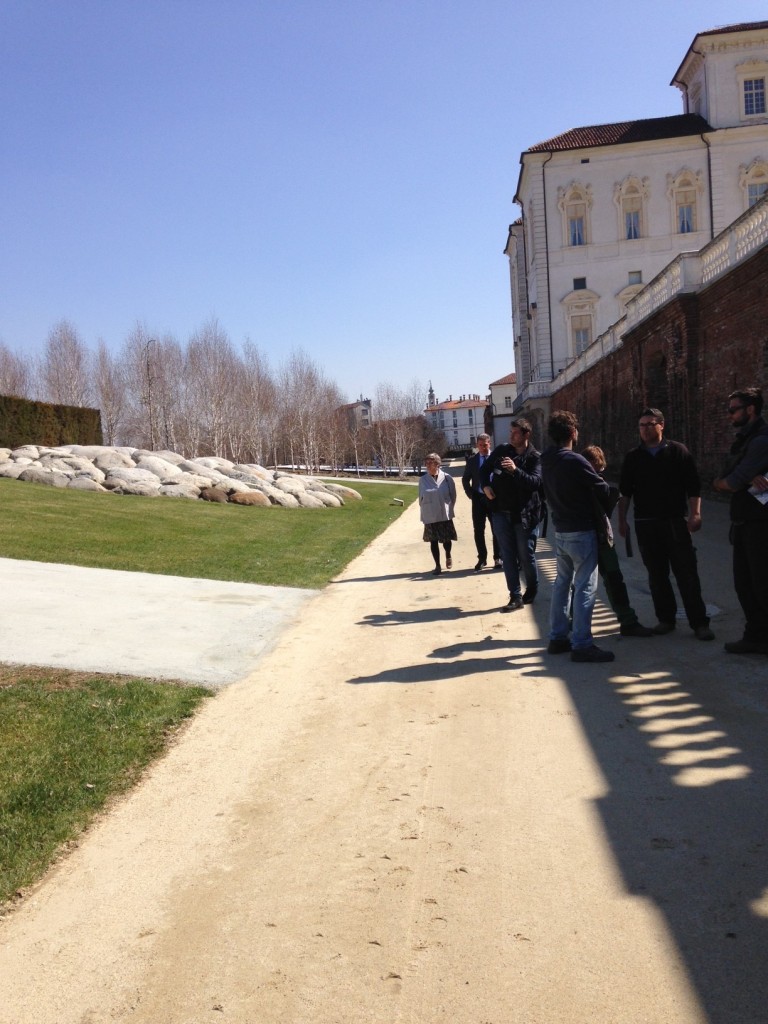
(514, 487)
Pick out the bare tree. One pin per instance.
(15, 374)
(141, 369)
(258, 408)
(308, 402)
(65, 368)
(211, 369)
(398, 427)
(110, 390)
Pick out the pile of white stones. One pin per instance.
(167, 474)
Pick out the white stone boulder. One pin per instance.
(291, 485)
(36, 475)
(113, 459)
(85, 483)
(308, 500)
(160, 467)
(343, 491)
(142, 488)
(26, 451)
(180, 489)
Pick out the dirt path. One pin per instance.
(411, 813)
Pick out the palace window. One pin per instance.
(683, 191)
(579, 308)
(752, 75)
(575, 202)
(581, 333)
(754, 96)
(630, 197)
(754, 182)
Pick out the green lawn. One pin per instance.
(274, 546)
(69, 742)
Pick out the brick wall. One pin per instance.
(685, 359)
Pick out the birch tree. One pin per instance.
(65, 372)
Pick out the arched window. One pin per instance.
(630, 197)
(754, 182)
(575, 202)
(683, 191)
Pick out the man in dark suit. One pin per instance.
(480, 512)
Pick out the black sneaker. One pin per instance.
(560, 645)
(636, 629)
(592, 654)
(480, 565)
(745, 647)
(514, 604)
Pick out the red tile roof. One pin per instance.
(646, 130)
(467, 403)
(745, 26)
(511, 378)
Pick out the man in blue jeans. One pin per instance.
(573, 491)
(511, 481)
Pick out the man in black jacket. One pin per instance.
(662, 478)
(744, 477)
(511, 480)
(481, 513)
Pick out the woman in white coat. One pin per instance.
(437, 499)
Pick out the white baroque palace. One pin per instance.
(606, 208)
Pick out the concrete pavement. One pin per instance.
(163, 627)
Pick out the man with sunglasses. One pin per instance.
(744, 477)
(662, 478)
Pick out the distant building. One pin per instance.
(357, 414)
(500, 408)
(460, 420)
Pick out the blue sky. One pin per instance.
(328, 175)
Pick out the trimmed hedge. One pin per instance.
(25, 422)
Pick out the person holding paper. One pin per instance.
(744, 477)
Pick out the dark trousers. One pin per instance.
(615, 587)
(518, 552)
(481, 516)
(666, 544)
(750, 577)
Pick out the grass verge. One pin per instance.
(174, 537)
(70, 742)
